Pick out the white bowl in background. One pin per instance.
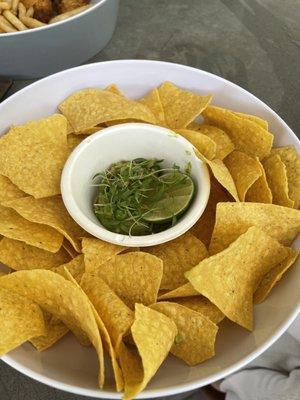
(42, 51)
(73, 368)
(126, 142)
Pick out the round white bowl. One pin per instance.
(67, 365)
(127, 142)
(42, 51)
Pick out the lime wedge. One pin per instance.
(175, 200)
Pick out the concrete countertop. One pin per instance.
(254, 43)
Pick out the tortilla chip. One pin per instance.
(221, 139)
(181, 107)
(254, 118)
(153, 102)
(75, 267)
(276, 174)
(274, 276)
(36, 172)
(51, 212)
(135, 277)
(62, 299)
(113, 88)
(154, 334)
(90, 107)
(185, 290)
(19, 255)
(69, 248)
(54, 332)
(244, 170)
(195, 340)
(75, 140)
(8, 190)
(178, 256)
(117, 317)
(20, 320)
(246, 135)
(204, 227)
(96, 252)
(221, 279)
(203, 306)
(202, 143)
(89, 131)
(13, 226)
(260, 192)
(291, 161)
(234, 219)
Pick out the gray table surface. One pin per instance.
(254, 43)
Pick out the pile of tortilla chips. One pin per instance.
(139, 305)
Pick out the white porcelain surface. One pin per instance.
(127, 142)
(38, 52)
(67, 365)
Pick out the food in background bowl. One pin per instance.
(16, 15)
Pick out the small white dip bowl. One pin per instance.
(127, 142)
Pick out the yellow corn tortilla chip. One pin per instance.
(224, 145)
(291, 161)
(153, 102)
(202, 143)
(185, 290)
(55, 330)
(74, 140)
(229, 286)
(180, 106)
(234, 219)
(178, 256)
(116, 316)
(254, 118)
(260, 192)
(49, 211)
(20, 320)
(277, 180)
(96, 252)
(153, 334)
(2, 273)
(244, 170)
(64, 300)
(135, 277)
(90, 107)
(204, 227)
(203, 306)
(75, 267)
(113, 88)
(246, 135)
(195, 340)
(13, 226)
(32, 156)
(19, 255)
(69, 248)
(8, 190)
(89, 131)
(273, 276)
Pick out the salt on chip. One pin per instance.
(19, 255)
(20, 320)
(96, 252)
(276, 174)
(273, 276)
(178, 256)
(135, 277)
(13, 226)
(260, 192)
(55, 330)
(75, 267)
(116, 316)
(8, 190)
(291, 160)
(51, 212)
(229, 279)
(254, 118)
(203, 306)
(32, 156)
(244, 170)
(180, 106)
(202, 143)
(90, 107)
(246, 135)
(195, 340)
(234, 219)
(185, 290)
(153, 102)
(153, 334)
(64, 300)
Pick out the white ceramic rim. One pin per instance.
(149, 393)
(185, 223)
(49, 26)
